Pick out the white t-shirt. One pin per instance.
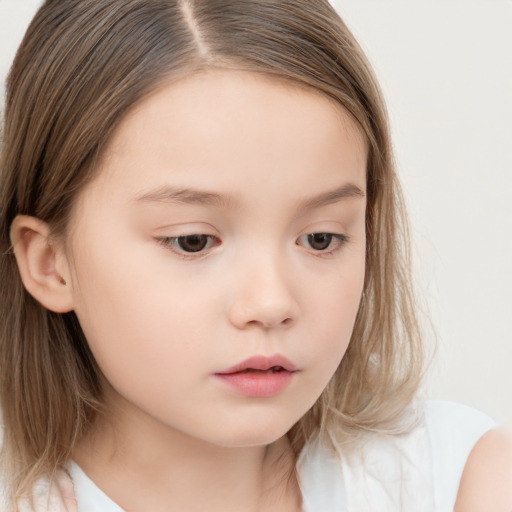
(416, 472)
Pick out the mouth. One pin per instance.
(259, 376)
(273, 364)
(274, 369)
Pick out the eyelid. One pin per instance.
(170, 243)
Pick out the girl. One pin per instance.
(207, 299)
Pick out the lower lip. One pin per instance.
(255, 384)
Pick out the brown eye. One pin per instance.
(192, 243)
(319, 241)
(323, 244)
(189, 246)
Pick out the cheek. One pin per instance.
(337, 299)
(133, 310)
(334, 307)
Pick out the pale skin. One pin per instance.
(257, 166)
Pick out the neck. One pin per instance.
(153, 467)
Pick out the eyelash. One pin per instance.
(336, 242)
(172, 243)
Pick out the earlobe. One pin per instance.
(42, 265)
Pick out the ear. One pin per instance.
(42, 264)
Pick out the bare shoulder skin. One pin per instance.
(486, 482)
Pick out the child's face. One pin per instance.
(243, 168)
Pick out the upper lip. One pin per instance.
(261, 363)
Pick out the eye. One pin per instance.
(192, 243)
(319, 241)
(323, 242)
(188, 244)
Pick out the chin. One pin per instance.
(255, 433)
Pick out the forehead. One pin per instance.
(233, 129)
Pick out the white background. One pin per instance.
(446, 70)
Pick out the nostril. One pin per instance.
(286, 322)
(258, 310)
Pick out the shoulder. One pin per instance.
(453, 431)
(486, 482)
(419, 469)
(445, 416)
(57, 493)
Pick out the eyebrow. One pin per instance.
(185, 195)
(192, 196)
(331, 196)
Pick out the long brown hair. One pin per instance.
(80, 68)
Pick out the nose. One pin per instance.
(262, 296)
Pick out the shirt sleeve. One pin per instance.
(453, 431)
